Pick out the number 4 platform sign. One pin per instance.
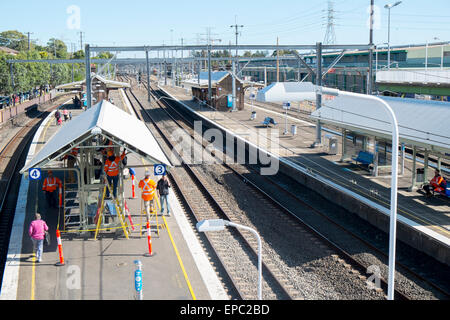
(34, 174)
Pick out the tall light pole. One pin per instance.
(219, 225)
(394, 176)
(389, 7)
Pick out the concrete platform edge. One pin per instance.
(12, 265)
(408, 231)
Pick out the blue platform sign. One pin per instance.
(160, 169)
(230, 101)
(138, 280)
(286, 105)
(34, 173)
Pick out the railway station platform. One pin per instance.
(103, 269)
(423, 223)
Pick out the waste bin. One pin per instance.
(333, 146)
(420, 176)
(294, 129)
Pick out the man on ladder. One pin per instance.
(112, 166)
(148, 187)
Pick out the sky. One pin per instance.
(149, 22)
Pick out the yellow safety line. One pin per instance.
(33, 278)
(179, 260)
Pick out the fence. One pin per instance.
(13, 111)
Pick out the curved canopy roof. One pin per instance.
(287, 91)
(106, 120)
(78, 85)
(421, 123)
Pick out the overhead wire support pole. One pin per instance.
(236, 26)
(370, 80)
(148, 76)
(88, 77)
(318, 142)
(209, 74)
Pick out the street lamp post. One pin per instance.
(389, 7)
(219, 225)
(394, 177)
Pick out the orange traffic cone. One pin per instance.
(129, 215)
(133, 187)
(60, 250)
(149, 241)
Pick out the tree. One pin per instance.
(104, 55)
(57, 48)
(282, 53)
(13, 39)
(79, 54)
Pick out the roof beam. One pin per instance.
(234, 47)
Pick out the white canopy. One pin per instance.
(110, 84)
(287, 91)
(421, 123)
(108, 121)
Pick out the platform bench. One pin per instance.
(365, 158)
(268, 120)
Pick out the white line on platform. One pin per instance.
(212, 283)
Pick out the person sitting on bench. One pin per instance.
(437, 184)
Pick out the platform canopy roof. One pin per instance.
(216, 76)
(287, 92)
(421, 123)
(106, 120)
(78, 85)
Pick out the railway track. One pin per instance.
(277, 207)
(282, 219)
(342, 255)
(204, 204)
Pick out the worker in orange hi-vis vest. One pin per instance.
(50, 186)
(148, 187)
(112, 167)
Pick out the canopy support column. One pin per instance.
(414, 170)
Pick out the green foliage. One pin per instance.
(28, 76)
(283, 53)
(57, 48)
(13, 39)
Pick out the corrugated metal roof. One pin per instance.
(421, 123)
(112, 123)
(216, 76)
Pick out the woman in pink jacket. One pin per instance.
(37, 231)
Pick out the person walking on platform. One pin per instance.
(112, 166)
(50, 185)
(58, 117)
(437, 184)
(163, 193)
(65, 114)
(37, 231)
(148, 187)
